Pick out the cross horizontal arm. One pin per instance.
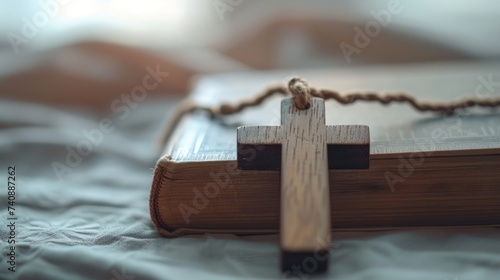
(259, 147)
(348, 146)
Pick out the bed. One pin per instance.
(93, 221)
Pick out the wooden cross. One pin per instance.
(304, 148)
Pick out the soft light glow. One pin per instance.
(169, 13)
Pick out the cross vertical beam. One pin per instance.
(305, 197)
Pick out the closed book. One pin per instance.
(426, 170)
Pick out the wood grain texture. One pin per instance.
(259, 135)
(308, 148)
(259, 147)
(348, 146)
(305, 207)
(348, 135)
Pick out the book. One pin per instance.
(426, 170)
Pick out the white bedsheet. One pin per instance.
(95, 224)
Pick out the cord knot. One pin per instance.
(300, 92)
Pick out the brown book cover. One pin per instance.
(426, 170)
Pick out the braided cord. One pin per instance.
(301, 93)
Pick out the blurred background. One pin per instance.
(86, 53)
(86, 86)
